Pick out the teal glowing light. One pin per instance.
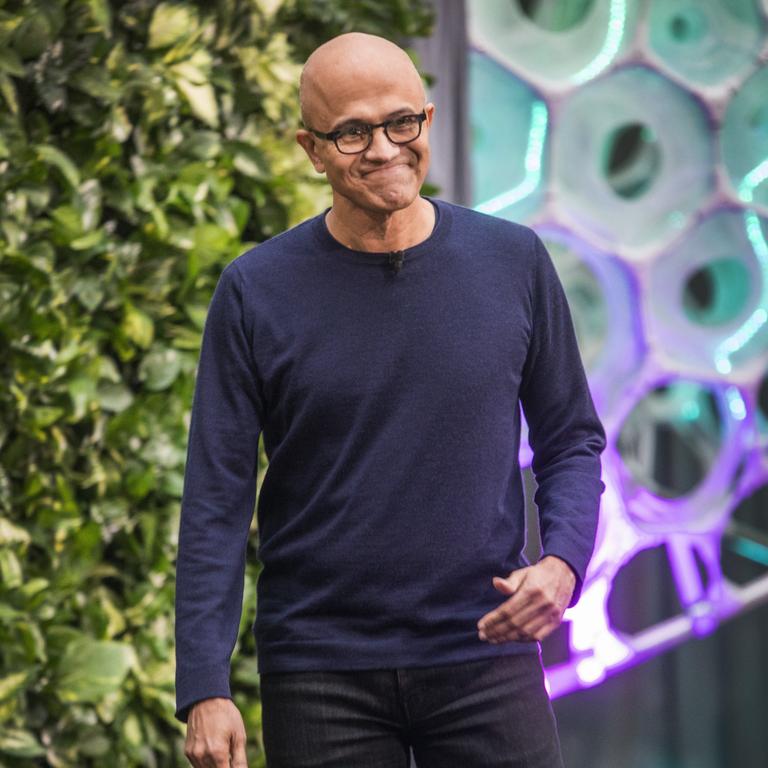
(690, 410)
(736, 341)
(753, 180)
(533, 161)
(750, 549)
(736, 403)
(613, 36)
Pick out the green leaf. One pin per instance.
(170, 24)
(102, 15)
(5, 492)
(8, 91)
(90, 669)
(11, 684)
(131, 730)
(11, 63)
(32, 36)
(18, 742)
(58, 159)
(250, 161)
(32, 640)
(12, 534)
(197, 314)
(113, 397)
(10, 569)
(115, 619)
(201, 99)
(159, 368)
(138, 327)
(108, 369)
(89, 290)
(210, 243)
(87, 241)
(45, 415)
(269, 7)
(67, 224)
(95, 81)
(95, 742)
(34, 587)
(204, 145)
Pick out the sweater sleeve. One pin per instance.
(565, 433)
(218, 500)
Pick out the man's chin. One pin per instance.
(395, 199)
(383, 199)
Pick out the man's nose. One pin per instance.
(381, 148)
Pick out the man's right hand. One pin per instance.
(215, 734)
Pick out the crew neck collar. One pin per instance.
(331, 245)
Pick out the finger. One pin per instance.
(517, 578)
(192, 752)
(239, 759)
(512, 585)
(530, 601)
(512, 628)
(511, 634)
(542, 626)
(535, 611)
(513, 616)
(535, 629)
(216, 757)
(504, 586)
(499, 623)
(508, 613)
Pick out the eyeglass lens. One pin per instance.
(400, 130)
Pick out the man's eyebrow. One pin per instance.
(345, 121)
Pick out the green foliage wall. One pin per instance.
(143, 145)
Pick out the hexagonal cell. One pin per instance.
(555, 45)
(509, 124)
(632, 159)
(602, 297)
(628, 608)
(681, 446)
(707, 303)
(706, 42)
(744, 140)
(745, 542)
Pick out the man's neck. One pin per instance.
(363, 230)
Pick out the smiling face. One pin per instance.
(362, 78)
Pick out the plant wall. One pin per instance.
(143, 145)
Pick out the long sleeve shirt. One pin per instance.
(389, 398)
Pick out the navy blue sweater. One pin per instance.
(389, 401)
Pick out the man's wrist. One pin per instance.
(564, 565)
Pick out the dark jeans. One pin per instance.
(479, 714)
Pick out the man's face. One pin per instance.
(385, 177)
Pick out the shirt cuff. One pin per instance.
(196, 684)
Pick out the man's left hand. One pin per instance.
(539, 593)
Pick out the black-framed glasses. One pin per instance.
(357, 137)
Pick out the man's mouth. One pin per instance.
(386, 168)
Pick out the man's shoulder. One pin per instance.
(278, 251)
(489, 231)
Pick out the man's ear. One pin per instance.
(430, 110)
(308, 143)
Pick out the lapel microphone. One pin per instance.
(396, 260)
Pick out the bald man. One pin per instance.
(383, 348)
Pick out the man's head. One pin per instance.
(363, 79)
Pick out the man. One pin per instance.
(383, 348)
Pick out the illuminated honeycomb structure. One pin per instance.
(633, 136)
